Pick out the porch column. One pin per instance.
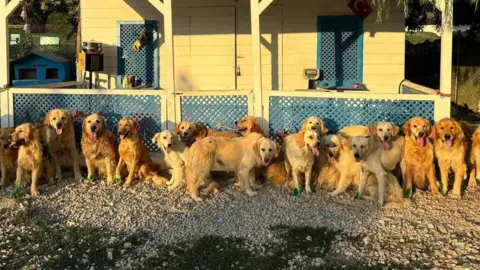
(256, 8)
(446, 51)
(166, 9)
(5, 10)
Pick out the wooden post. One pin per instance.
(257, 60)
(446, 50)
(5, 11)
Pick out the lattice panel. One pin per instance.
(289, 112)
(143, 64)
(211, 110)
(144, 108)
(339, 49)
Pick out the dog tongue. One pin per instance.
(94, 136)
(448, 143)
(59, 131)
(386, 146)
(266, 163)
(420, 141)
(315, 151)
(331, 160)
(122, 136)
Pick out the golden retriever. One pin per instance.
(99, 147)
(352, 131)
(418, 160)
(340, 171)
(135, 155)
(475, 159)
(375, 182)
(300, 149)
(190, 132)
(59, 136)
(450, 144)
(30, 158)
(241, 155)
(315, 124)
(275, 173)
(176, 153)
(8, 156)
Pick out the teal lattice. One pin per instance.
(289, 112)
(211, 110)
(144, 108)
(144, 63)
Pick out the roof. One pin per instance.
(50, 56)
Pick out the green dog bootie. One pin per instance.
(1, 186)
(296, 191)
(15, 190)
(441, 189)
(118, 180)
(356, 196)
(408, 193)
(478, 181)
(90, 179)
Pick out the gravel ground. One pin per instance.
(93, 226)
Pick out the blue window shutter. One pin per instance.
(340, 50)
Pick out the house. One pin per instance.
(40, 68)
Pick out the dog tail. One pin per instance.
(201, 159)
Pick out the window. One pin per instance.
(340, 50)
(52, 73)
(27, 74)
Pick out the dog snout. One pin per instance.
(266, 159)
(385, 137)
(448, 136)
(421, 134)
(356, 155)
(185, 134)
(93, 128)
(313, 127)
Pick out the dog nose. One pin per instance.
(185, 133)
(330, 154)
(266, 160)
(59, 125)
(385, 137)
(318, 144)
(356, 155)
(93, 128)
(169, 145)
(421, 134)
(236, 122)
(5, 146)
(448, 136)
(314, 127)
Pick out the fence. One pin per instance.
(281, 109)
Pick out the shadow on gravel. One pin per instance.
(35, 239)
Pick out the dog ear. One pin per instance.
(46, 120)
(35, 134)
(177, 128)
(70, 118)
(347, 142)
(460, 132)
(201, 131)
(277, 149)
(323, 128)
(135, 127)
(155, 138)
(300, 139)
(406, 128)
(428, 126)
(395, 129)
(84, 127)
(103, 120)
(255, 127)
(373, 129)
(304, 125)
(434, 133)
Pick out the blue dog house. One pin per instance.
(40, 68)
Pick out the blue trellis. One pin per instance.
(144, 108)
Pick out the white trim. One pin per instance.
(345, 95)
(158, 5)
(264, 5)
(11, 7)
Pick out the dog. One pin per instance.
(340, 171)
(59, 136)
(275, 173)
(135, 155)
(30, 158)
(451, 142)
(315, 124)
(241, 155)
(176, 153)
(352, 131)
(99, 146)
(8, 156)
(300, 149)
(375, 182)
(191, 132)
(475, 160)
(418, 161)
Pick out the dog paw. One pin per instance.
(296, 191)
(436, 194)
(251, 193)
(380, 203)
(356, 196)
(308, 191)
(442, 189)
(15, 191)
(126, 185)
(407, 193)
(118, 180)
(79, 178)
(478, 182)
(34, 193)
(455, 196)
(197, 199)
(333, 193)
